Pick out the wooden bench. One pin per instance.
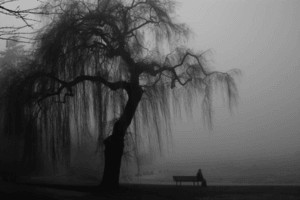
(194, 179)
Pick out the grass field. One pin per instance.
(147, 192)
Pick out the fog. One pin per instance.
(262, 38)
(258, 141)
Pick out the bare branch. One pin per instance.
(25, 15)
(69, 84)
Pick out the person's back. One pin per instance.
(201, 178)
(199, 175)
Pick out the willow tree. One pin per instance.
(118, 67)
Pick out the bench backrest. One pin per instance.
(185, 178)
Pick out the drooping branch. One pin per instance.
(69, 84)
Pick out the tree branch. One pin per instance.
(68, 85)
(154, 69)
(22, 14)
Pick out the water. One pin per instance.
(223, 173)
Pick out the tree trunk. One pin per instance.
(113, 156)
(114, 144)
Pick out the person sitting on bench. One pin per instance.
(201, 178)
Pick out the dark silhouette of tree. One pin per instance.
(124, 66)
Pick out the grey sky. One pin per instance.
(262, 38)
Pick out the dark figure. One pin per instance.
(201, 178)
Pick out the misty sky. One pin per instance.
(262, 39)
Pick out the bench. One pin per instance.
(194, 179)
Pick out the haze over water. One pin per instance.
(259, 142)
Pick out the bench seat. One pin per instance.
(193, 179)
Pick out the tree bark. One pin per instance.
(113, 155)
(114, 144)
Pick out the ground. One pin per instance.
(146, 192)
